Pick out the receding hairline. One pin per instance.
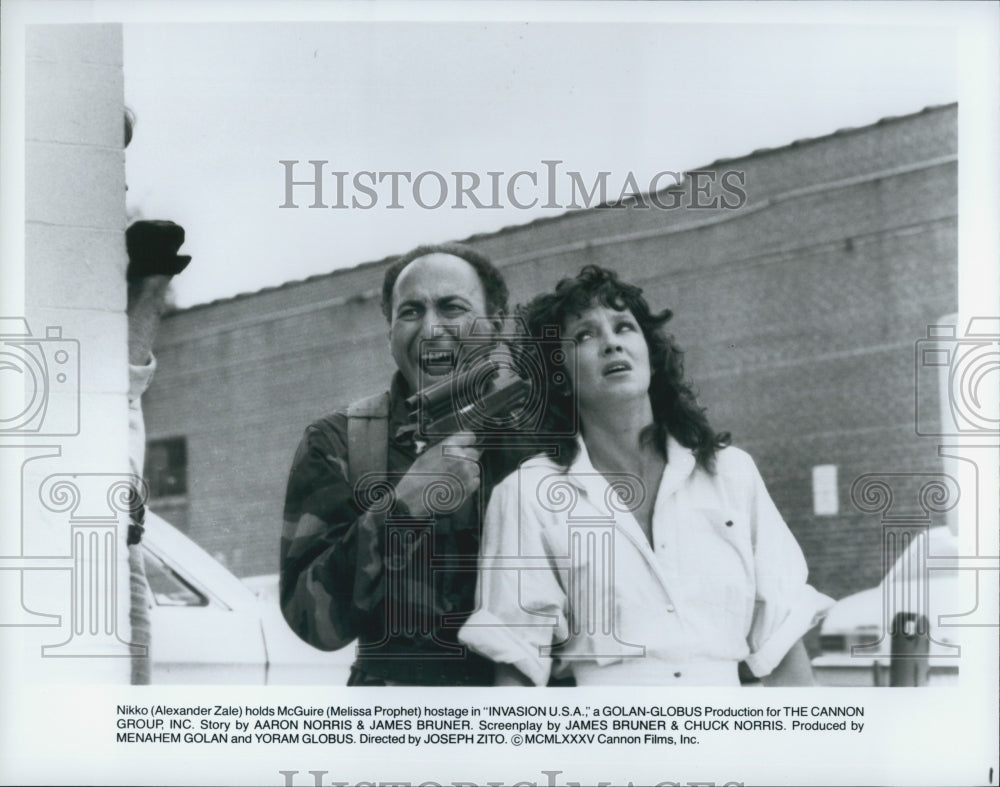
(491, 279)
(452, 258)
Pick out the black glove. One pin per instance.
(152, 249)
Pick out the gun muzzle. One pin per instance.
(477, 399)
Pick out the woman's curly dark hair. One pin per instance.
(675, 407)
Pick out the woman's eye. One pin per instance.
(582, 336)
(625, 326)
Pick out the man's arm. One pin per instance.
(324, 538)
(153, 261)
(332, 553)
(146, 302)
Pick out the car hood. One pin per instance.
(182, 554)
(865, 610)
(859, 610)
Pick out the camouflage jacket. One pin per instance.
(401, 587)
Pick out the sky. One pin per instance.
(220, 105)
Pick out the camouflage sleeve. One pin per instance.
(331, 567)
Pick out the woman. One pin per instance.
(642, 550)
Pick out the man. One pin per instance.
(153, 261)
(397, 572)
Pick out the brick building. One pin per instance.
(799, 313)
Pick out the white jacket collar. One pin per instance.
(582, 474)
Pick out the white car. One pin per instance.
(209, 627)
(922, 588)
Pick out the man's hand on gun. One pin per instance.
(484, 396)
(455, 457)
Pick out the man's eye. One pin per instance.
(453, 309)
(409, 313)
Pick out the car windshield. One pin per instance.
(168, 588)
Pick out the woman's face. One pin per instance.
(608, 360)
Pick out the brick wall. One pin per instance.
(798, 314)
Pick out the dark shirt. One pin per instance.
(401, 586)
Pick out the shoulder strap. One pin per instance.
(367, 436)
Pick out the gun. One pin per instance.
(483, 398)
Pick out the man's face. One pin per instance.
(438, 297)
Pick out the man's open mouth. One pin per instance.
(437, 362)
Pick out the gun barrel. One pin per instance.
(494, 409)
(441, 397)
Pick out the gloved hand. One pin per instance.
(152, 249)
